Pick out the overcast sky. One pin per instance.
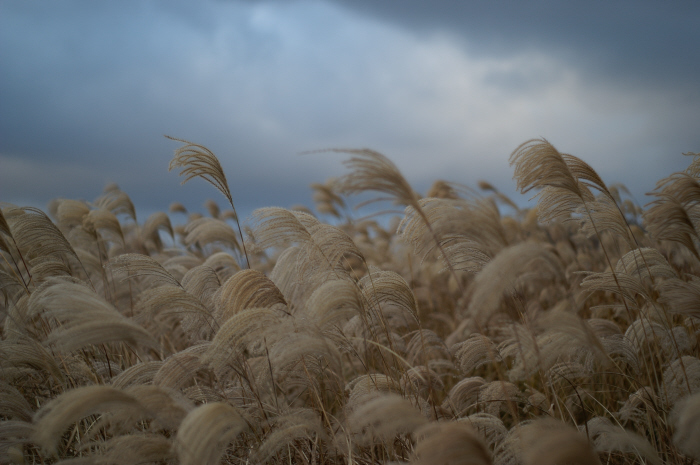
(445, 89)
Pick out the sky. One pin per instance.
(446, 89)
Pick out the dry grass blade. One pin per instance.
(381, 288)
(37, 236)
(565, 184)
(384, 417)
(469, 232)
(475, 352)
(332, 244)
(141, 373)
(372, 171)
(13, 436)
(538, 165)
(206, 432)
(464, 395)
(450, 444)
(247, 289)
(513, 265)
(69, 213)
(668, 220)
(85, 318)
(137, 449)
(13, 405)
(26, 352)
(488, 426)
(299, 424)
(279, 227)
(332, 302)
(4, 227)
(197, 161)
(608, 438)
(338, 344)
(117, 202)
(681, 296)
(326, 199)
(180, 369)
(686, 420)
(206, 231)
(681, 378)
(171, 300)
(53, 418)
(607, 216)
(107, 223)
(156, 222)
(235, 334)
(137, 265)
(550, 442)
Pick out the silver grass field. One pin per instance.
(469, 331)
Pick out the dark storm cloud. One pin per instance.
(87, 89)
(641, 42)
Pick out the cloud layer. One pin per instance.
(88, 90)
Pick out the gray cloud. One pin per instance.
(88, 90)
(637, 41)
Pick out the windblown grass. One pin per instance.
(568, 333)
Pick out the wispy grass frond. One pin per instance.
(140, 373)
(173, 304)
(106, 223)
(489, 427)
(475, 352)
(607, 437)
(538, 165)
(202, 282)
(382, 418)
(565, 182)
(155, 223)
(12, 404)
(297, 425)
(550, 442)
(197, 161)
(381, 288)
(85, 318)
(279, 227)
(346, 343)
(502, 276)
(206, 231)
(137, 265)
(206, 432)
(470, 232)
(686, 420)
(116, 201)
(14, 435)
(136, 448)
(21, 351)
(332, 302)
(235, 335)
(694, 168)
(70, 213)
(37, 236)
(180, 369)
(668, 220)
(372, 171)
(450, 443)
(464, 395)
(603, 214)
(247, 289)
(681, 296)
(54, 417)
